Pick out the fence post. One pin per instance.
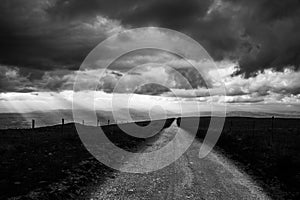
(33, 124)
(298, 129)
(272, 136)
(253, 128)
(62, 125)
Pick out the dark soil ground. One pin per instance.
(51, 163)
(270, 155)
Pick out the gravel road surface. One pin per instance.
(213, 177)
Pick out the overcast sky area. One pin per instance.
(255, 45)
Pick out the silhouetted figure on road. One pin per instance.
(178, 121)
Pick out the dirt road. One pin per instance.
(213, 177)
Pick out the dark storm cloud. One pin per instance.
(11, 80)
(31, 38)
(175, 14)
(171, 13)
(216, 32)
(48, 35)
(272, 31)
(259, 33)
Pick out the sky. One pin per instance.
(255, 45)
